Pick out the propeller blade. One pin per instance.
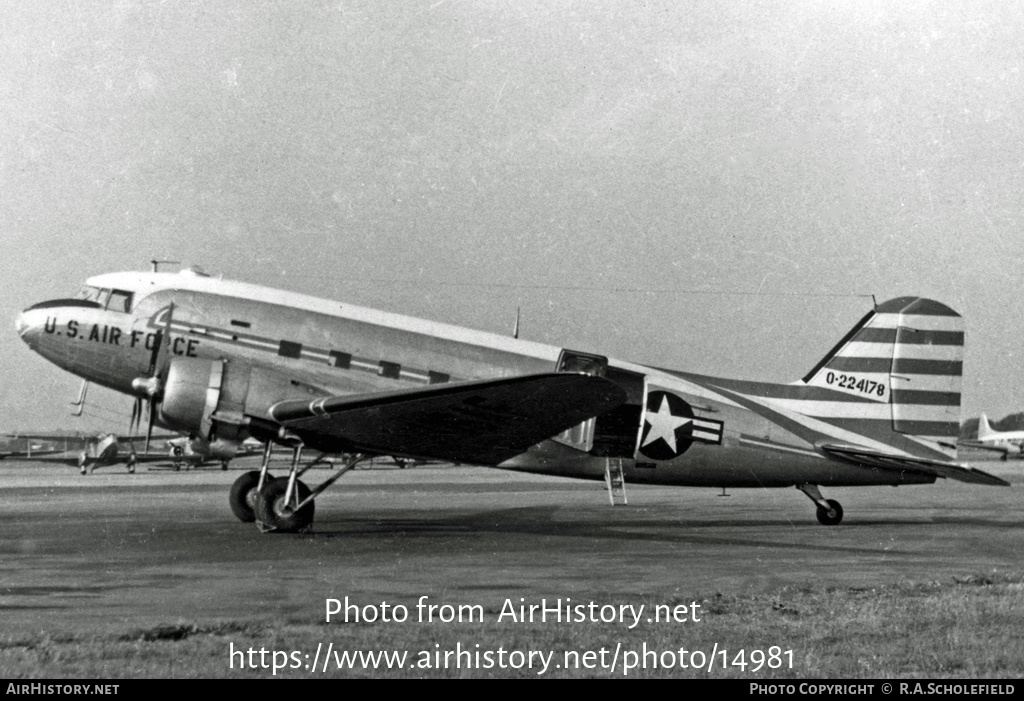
(162, 339)
(149, 425)
(136, 416)
(155, 355)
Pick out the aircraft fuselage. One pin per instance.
(675, 427)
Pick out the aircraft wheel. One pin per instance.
(243, 495)
(832, 515)
(273, 514)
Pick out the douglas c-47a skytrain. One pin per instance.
(227, 361)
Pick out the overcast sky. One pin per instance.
(709, 186)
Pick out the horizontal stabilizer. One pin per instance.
(888, 461)
(482, 422)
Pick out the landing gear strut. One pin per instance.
(829, 513)
(285, 505)
(280, 512)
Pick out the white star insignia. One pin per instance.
(664, 425)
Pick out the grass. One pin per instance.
(964, 628)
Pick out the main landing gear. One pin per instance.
(281, 505)
(829, 513)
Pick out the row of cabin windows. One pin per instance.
(121, 301)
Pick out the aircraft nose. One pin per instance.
(29, 325)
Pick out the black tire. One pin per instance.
(272, 514)
(832, 515)
(242, 498)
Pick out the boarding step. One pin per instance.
(615, 480)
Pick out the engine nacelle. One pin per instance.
(187, 390)
(217, 400)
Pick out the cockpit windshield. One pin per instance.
(112, 300)
(89, 294)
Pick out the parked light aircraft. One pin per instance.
(87, 453)
(228, 361)
(91, 452)
(1006, 442)
(106, 449)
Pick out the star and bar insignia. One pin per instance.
(670, 427)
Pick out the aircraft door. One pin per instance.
(581, 436)
(613, 434)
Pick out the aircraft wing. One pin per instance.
(888, 461)
(482, 422)
(24, 454)
(978, 445)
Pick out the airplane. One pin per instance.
(106, 449)
(229, 361)
(87, 453)
(103, 450)
(1006, 442)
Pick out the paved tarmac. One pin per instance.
(119, 552)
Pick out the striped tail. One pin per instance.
(907, 354)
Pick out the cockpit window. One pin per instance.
(113, 300)
(89, 294)
(120, 301)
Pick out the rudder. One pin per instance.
(907, 353)
(984, 427)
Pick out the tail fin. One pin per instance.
(907, 354)
(984, 429)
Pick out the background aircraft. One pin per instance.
(103, 450)
(107, 449)
(33, 445)
(1009, 443)
(228, 361)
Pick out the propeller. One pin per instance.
(149, 387)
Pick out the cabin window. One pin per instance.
(387, 369)
(436, 378)
(340, 360)
(288, 349)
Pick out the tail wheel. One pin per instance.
(243, 495)
(832, 515)
(274, 514)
